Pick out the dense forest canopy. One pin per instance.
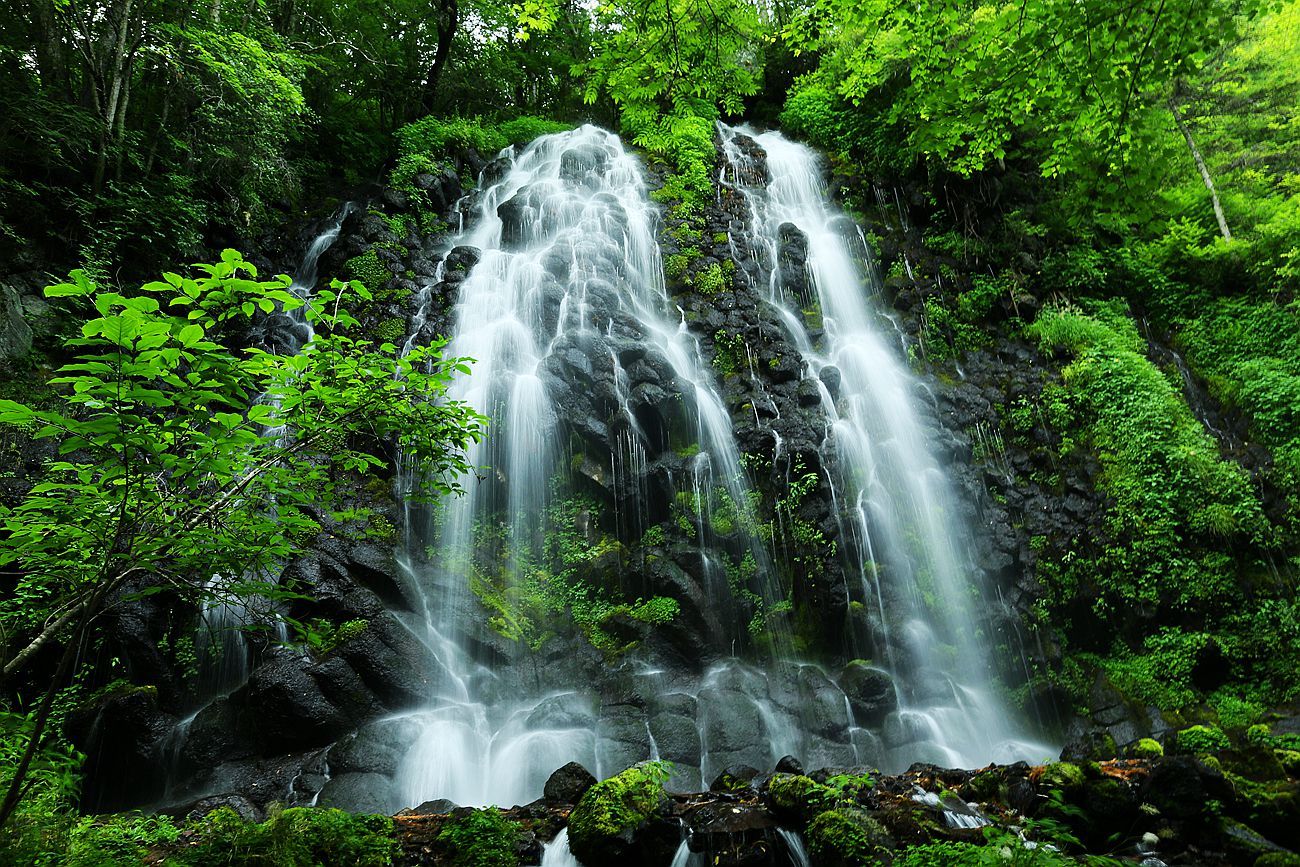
(1107, 191)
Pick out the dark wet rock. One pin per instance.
(435, 807)
(870, 690)
(579, 164)
(283, 706)
(358, 793)
(376, 748)
(736, 778)
(789, 765)
(242, 807)
(1180, 786)
(568, 784)
(792, 259)
(124, 728)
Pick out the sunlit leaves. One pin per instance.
(182, 458)
(678, 57)
(965, 79)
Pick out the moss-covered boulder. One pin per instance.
(796, 797)
(607, 817)
(985, 786)
(1201, 739)
(1147, 748)
(1062, 776)
(847, 837)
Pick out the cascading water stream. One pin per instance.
(225, 654)
(893, 499)
(568, 289)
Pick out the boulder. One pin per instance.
(568, 784)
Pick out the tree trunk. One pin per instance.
(17, 789)
(449, 19)
(1202, 167)
(118, 69)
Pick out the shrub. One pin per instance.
(483, 838)
(297, 837)
(846, 836)
(1202, 739)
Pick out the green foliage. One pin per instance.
(483, 838)
(1162, 672)
(570, 584)
(296, 837)
(729, 355)
(1160, 467)
(1249, 353)
(678, 59)
(321, 636)
(946, 334)
(434, 137)
(118, 841)
(1201, 739)
(162, 430)
(45, 818)
(685, 144)
(712, 281)
(655, 611)
(846, 836)
(960, 84)
(367, 269)
(164, 475)
(1234, 711)
(391, 331)
(616, 805)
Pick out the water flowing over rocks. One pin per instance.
(669, 410)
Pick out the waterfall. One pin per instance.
(225, 655)
(578, 351)
(794, 847)
(567, 295)
(223, 648)
(913, 558)
(557, 854)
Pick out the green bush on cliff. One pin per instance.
(437, 135)
(368, 269)
(483, 838)
(613, 808)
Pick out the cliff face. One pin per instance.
(334, 724)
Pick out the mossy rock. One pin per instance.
(1254, 761)
(1147, 748)
(1272, 808)
(607, 817)
(1107, 800)
(296, 837)
(391, 331)
(1278, 859)
(1201, 739)
(847, 837)
(1064, 776)
(795, 796)
(986, 786)
(1244, 845)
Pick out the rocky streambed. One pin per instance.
(1237, 807)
